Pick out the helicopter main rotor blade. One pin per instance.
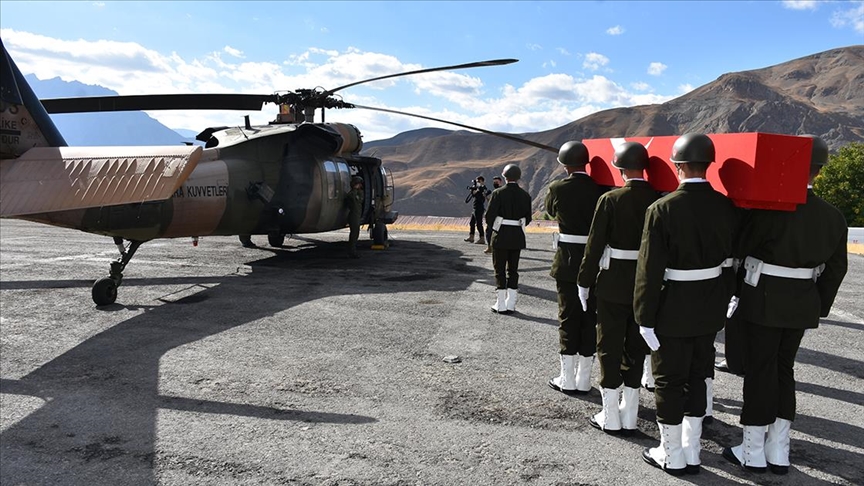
(494, 62)
(497, 134)
(248, 102)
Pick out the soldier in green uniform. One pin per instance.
(794, 263)
(354, 202)
(684, 281)
(571, 201)
(508, 213)
(610, 263)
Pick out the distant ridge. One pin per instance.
(820, 94)
(410, 136)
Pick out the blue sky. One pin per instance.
(575, 58)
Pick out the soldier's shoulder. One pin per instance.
(616, 193)
(557, 184)
(829, 210)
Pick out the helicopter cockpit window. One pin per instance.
(330, 170)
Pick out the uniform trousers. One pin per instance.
(477, 221)
(353, 236)
(577, 329)
(769, 383)
(679, 368)
(735, 345)
(506, 265)
(620, 349)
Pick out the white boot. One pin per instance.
(777, 446)
(583, 373)
(691, 433)
(629, 409)
(499, 304)
(609, 419)
(669, 456)
(565, 382)
(709, 400)
(512, 296)
(647, 375)
(751, 453)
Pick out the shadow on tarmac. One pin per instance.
(102, 396)
(834, 461)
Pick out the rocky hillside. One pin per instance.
(821, 94)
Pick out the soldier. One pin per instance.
(571, 202)
(794, 263)
(684, 282)
(508, 214)
(611, 252)
(354, 202)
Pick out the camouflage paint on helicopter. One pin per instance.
(278, 179)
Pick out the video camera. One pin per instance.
(474, 185)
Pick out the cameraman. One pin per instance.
(478, 192)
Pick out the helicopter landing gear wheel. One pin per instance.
(276, 240)
(105, 291)
(379, 236)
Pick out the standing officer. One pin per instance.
(611, 252)
(571, 202)
(509, 212)
(794, 263)
(683, 287)
(354, 202)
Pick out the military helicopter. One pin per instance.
(287, 177)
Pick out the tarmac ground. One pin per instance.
(226, 365)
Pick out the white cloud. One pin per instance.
(562, 51)
(594, 61)
(550, 63)
(98, 4)
(656, 68)
(801, 4)
(641, 86)
(541, 103)
(617, 30)
(685, 88)
(534, 47)
(233, 52)
(853, 17)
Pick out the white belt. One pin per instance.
(756, 267)
(609, 253)
(499, 221)
(697, 274)
(565, 238)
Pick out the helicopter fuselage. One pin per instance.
(283, 179)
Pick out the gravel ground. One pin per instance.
(225, 365)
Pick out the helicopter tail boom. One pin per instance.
(47, 179)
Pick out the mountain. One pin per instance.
(821, 94)
(120, 128)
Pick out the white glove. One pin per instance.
(649, 337)
(583, 297)
(733, 304)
